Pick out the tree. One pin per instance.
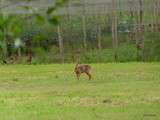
(114, 30)
(99, 32)
(9, 29)
(60, 41)
(54, 21)
(141, 27)
(84, 24)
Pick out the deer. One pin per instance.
(80, 68)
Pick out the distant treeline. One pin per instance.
(118, 36)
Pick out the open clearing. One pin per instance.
(122, 91)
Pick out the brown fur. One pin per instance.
(79, 69)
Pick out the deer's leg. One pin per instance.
(89, 75)
(78, 75)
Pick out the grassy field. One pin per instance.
(122, 91)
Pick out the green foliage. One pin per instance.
(50, 10)
(40, 19)
(58, 3)
(54, 20)
(42, 57)
(40, 31)
(125, 53)
(95, 56)
(152, 45)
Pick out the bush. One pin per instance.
(41, 56)
(125, 53)
(152, 45)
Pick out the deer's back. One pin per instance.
(83, 68)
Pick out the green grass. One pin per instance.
(122, 91)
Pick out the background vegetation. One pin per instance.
(87, 31)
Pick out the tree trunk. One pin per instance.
(136, 28)
(19, 52)
(60, 41)
(30, 55)
(114, 30)
(155, 15)
(84, 25)
(29, 51)
(78, 56)
(5, 52)
(130, 3)
(141, 36)
(99, 31)
(99, 37)
(68, 11)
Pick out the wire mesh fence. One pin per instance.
(86, 30)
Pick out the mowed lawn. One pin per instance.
(122, 91)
